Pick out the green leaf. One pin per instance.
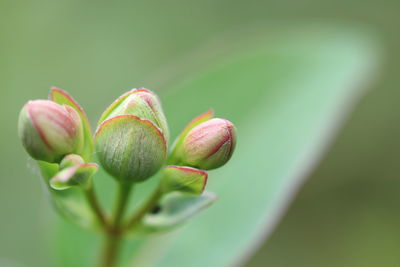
(62, 97)
(176, 208)
(184, 179)
(287, 94)
(286, 91)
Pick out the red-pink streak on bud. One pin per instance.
(55, 114)
(72, 100)
(146, 95)
(158, 131)
(213, 128)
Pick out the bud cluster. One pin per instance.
(130, 143)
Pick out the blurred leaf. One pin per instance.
(176, 208)
(286, 92)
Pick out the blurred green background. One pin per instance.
(347, 212)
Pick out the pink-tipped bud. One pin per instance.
(207, 146)
(50, 131)
(142, 103)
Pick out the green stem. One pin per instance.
(124, 190)
(111, 247)
(148, 206)
(95, 205)
(113, 235)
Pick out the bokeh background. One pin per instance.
(347, 214)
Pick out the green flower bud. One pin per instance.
(50, 131)
(76, 175)
(71, 160)
(129, 148)
(207, 146)
(142, 103)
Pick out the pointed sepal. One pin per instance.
(183, 179)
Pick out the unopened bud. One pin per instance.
(207, 146)
(141, 103)
(71, 160)
(77, 175)
(129, 148)
(50, 131)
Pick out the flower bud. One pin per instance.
(50, 131)
(76, 175)
(71, 160)
(207, 146)
(129, 148)
(141, 103)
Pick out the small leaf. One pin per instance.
(176, 208)
(78, 175)
(129, 148)
(184, 179)
(71, 204)
(62, 97)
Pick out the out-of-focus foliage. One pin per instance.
(347, 214)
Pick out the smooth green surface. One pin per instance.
(175, 209)
(297, 87)
(294, 99)
(346, 216)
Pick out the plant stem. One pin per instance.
(95, 205)
(110, 250)
(124, 190)
(114, 233)
(148, 206)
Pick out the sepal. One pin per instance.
(183, 179)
